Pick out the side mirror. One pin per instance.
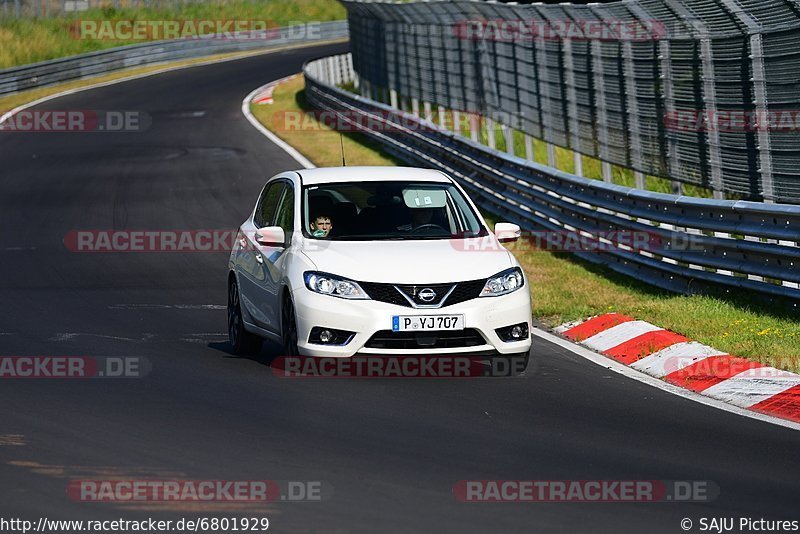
(271, 236)
(507, 232)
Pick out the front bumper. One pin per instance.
(366, 317)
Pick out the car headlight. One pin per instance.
(335, 286)
(503, 283)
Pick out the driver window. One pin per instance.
(285, 216)
(265, 213)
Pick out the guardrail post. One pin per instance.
(667, 85)
(545, 99)
(351, 72)
(552, 161)
(415, 106)
(601, 109)
(442, 117)
(572, 106)
(635, 137)
(762, 109)
(393, 98)
(508, 134)
(608, 172)
(530, 153)
(491, 141)
(329, 70)
(710, 100)
(456, 122)
(474, 127)
(426, 107)
(639, 181)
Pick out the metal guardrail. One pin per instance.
(568, 74)
(734, 245)
(61, 70)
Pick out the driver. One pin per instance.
(419, 217)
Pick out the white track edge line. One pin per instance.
(293, 152)
(166, 69)
(629, 372)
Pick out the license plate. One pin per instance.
(422, 323)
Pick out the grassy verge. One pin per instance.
(29, 40)
(564, 288)
(317, 142)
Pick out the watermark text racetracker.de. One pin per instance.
(528, 30)
(733, 120)
(575, 491)
(152, 240)
(76, 121)
(55, 367)
(221, 240)
(210, 491)
(582, 241)
(191, 29)
(414, 366)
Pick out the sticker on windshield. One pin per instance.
(425, 198)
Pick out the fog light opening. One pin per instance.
(514, 332)
(321, 335)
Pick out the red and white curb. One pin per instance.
(250, 98)
(690, 365)
(264, 95)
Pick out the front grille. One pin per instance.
(413, 292)
(389, 293)
(465, 291)
(438, 339)
(384, 293)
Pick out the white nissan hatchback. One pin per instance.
(337, 262)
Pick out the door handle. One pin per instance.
(259, 258)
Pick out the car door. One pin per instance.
(252, 273)
(272, 260)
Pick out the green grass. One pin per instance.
(316, 141)
(29, 40)
(564, 288)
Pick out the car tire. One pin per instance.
(242, 342)
(289, 328)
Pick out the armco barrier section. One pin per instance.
(696, 91)
(703, 246)
(71, 68)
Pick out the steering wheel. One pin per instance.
(429, 226)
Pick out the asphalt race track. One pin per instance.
(392, 450)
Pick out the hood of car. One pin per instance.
(410, 262)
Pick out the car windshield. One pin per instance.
(388, 210)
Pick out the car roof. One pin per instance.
(323, 175)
